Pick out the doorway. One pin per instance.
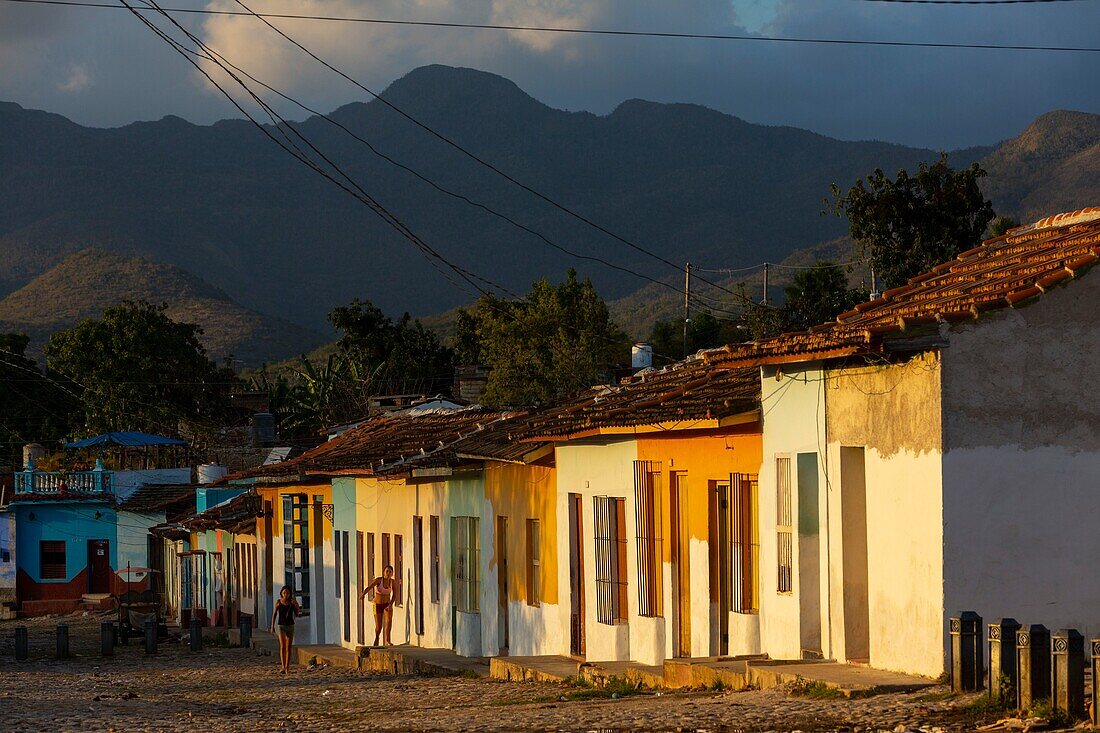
(853, 507)
(576, 577)
(720, 570)
(418, 572)
(502, 584)
(360, 631)
(681, 565)
(99, 566)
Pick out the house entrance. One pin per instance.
(99, 566)
(853, 507)
(720, 570)
(576, 578)
(681, 565)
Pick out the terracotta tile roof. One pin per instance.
(234, 515)
(688, 390)
(385, 439)
(501, 439)
(1002, 272)
(172, 499)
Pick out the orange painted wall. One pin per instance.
(521, 493)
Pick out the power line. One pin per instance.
(619, 32)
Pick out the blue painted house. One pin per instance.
(75, 531)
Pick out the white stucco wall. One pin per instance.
(7, 556)
(591, 470)
(127, 482)
(793, 409)
(1022, 439)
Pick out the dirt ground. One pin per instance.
(223, 688)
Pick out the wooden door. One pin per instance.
(502, 584)
(576, 577)
(720, 566)
(418, 572)
(99, 566)
(681, 565)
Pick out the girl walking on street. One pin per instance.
(385, 594)
(286, 608)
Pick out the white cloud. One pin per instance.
(77, 81)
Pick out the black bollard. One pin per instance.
(151, 636)
(62, 641)
(196, 635)
(22, 647)
(246, 632)
(1033, 665)
(107, 639)
(967, 659)
(1002, 660)
(1067, 673)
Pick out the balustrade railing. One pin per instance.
(50, 483)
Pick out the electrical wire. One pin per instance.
(620, 32)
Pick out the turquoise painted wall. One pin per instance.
(75, 523)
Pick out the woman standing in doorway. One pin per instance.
(286, 608)
(385, 594)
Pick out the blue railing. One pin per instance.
(64, 483)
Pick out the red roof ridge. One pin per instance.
(1065, 219)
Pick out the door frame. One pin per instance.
(576, 576)
(92, 575)
(502, 584)
(681, 564)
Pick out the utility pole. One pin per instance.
(765, 283)
(874, 285)
(687, 295)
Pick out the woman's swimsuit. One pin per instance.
(382, 593)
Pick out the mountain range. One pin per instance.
(683, 182)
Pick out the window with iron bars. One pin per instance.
(744, 543)
(296, 546)
(610, 525)
(647, 511)
(466, 558)
(783, 528)
(534, 562)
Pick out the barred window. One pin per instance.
(784, 534)
(610, 525)
(647, 506)
(296, 546)
(52, 559)
(534, 562)
(466, 557)
(745, 541)
(433, 549)
(399, 566)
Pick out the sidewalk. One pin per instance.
(730, 673)
(396, 660)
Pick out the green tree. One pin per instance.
(705, 331)
(908, 225)
(556, 341)
(817, 295)
(137, 369)
(34, 408)
(1002, 224)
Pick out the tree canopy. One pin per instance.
(908, 225)
(137, 369)
(34, 408)
(559, 339)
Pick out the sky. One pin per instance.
(102, 67)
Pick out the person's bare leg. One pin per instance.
(378, 622)
(389, 625)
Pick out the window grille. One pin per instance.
(534, 562)
(745, 543)
(610, 525)
(467, 556)
(784, 534)
(647, 506)
(52, 557)
(399, 567)
(296, 546)
(371, 569)
(433, 541)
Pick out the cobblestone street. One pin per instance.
(227, 689)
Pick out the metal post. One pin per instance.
(967, 667)
(22, 647)
(107, 639)
(1033, 665)
(196, 635)
(1095, 647)
(765, 301)
(1067, 672)
(687, 312)
(246, 632)
(151, 636)
(62, 641)
(1002, 659)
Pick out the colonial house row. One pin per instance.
(836, 493)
